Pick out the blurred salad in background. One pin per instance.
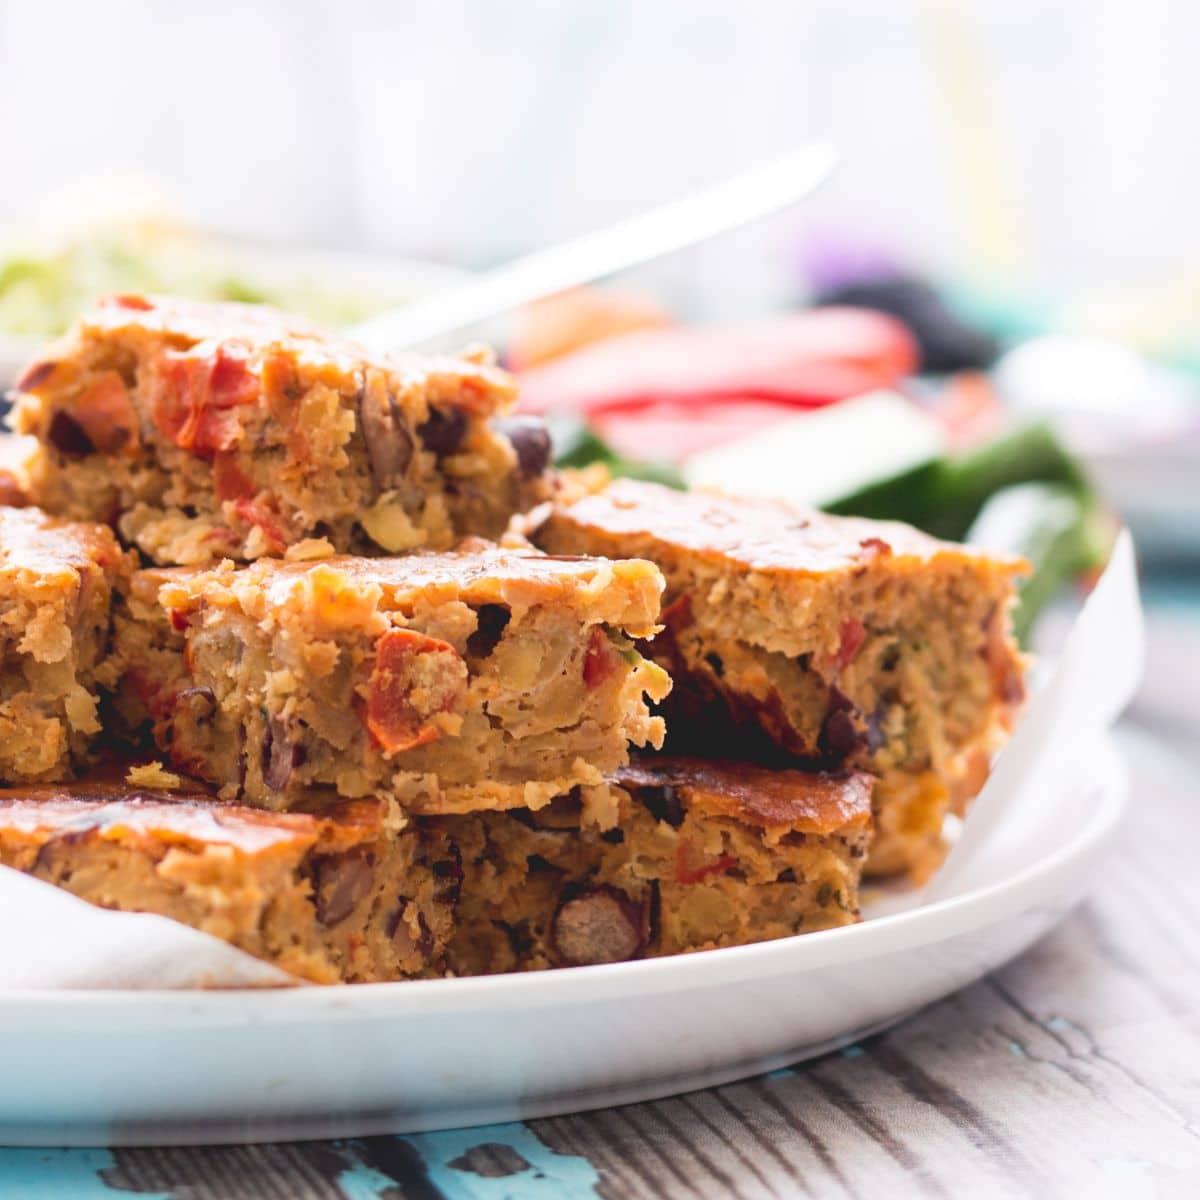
(43, 285)
(121, 235)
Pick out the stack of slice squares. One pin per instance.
(398, 739)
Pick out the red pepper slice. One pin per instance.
(106, 414)
(665, 394)
(263, 518)
(229, 480)
(600, 661)
(198, 394)
(686, 873)
(805, 359)
(415, 677)
(853, 634)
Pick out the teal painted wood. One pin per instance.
(56, 1175)
(529, 1168)
(490, 1163)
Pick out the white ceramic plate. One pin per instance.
(140, 1068)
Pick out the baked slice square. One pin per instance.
(56, 586)
(687, 855)
(487, 678)
(210, 431)
(833, 641)
(335, 898)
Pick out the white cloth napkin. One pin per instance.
(51, 939)
(1089, 685)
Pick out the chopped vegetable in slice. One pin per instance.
(415, 679)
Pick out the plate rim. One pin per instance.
(1107, 782)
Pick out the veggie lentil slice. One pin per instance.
(57, 581)
(798, 637)
(334, 898)
(743, 854)
(365, 677)
(210, 431)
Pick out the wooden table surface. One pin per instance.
(1075, 1071)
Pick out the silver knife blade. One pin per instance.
(723, 206)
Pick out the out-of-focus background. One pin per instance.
(1017, 189)
(1037, 143)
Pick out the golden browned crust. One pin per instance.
(108, 809)
(34, 544)
(478, 574)
(809, 802)
(482, 388)
(756, 535)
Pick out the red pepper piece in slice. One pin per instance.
(198, 393)
(229, 480)
(853, 634)
(131, 300)
(263, 518)
(601, 660)
(181, 619)
(106, 414)
(688, 872)
(415, 678)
